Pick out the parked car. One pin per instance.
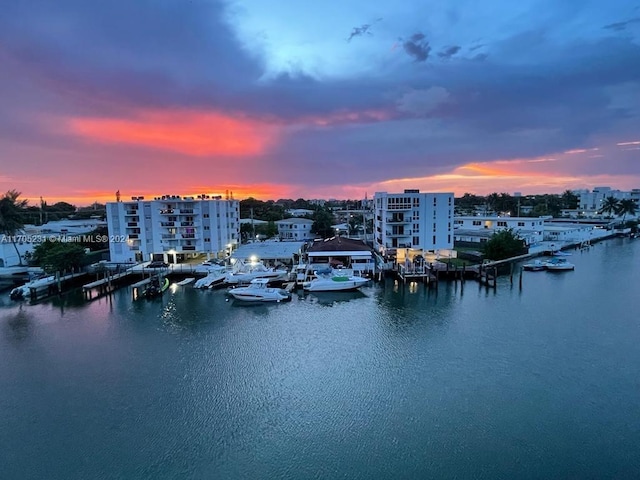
(158, 264)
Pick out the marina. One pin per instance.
(391, 378)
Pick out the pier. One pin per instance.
(103, 285)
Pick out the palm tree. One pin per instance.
(626, 206)
(610, 205)
(11, 217)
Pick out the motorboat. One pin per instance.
(336, 280)
(155, 287)
(259, 291)
(561, 253)
(215, 277)
(244, 273)
(535, 266)
(559, 264)
(23, 292)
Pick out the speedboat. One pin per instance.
(535, 266)
(258, 291)
(244, 273)
(23, 292)
(335, 281)
(215, 277)
(155, 288)
(559, 264)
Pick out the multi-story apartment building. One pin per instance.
(413, 220)
(172, 228)
(295, 229)
(593, 201)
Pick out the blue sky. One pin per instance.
(325, 99)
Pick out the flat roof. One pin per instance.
(268, 250)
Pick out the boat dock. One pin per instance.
(52, 286)
(103, 285)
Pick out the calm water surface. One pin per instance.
(393, 382)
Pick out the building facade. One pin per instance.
(478, 229)
(413, 220)
(172, 228)
(294, 229)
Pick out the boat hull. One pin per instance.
(333, 285)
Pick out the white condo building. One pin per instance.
(413, 220)
(295, 229)
(479, 229)
(172, 228)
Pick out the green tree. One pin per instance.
(626, 207)
(322, 221)
(610, 205)
(59, 256)
(504, 244)
(11, 217)
(570, 200)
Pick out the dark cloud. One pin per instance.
(417, 47)
(476, 47)
(362, 30)
(449, 51)
(620, 26)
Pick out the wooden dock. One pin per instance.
(104, 285)
(53, 286)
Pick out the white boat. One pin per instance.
(535, 266)
(244, 273)
(258, 291)
(559, 264)
(335, 281)
(22, 292)
(214, 278)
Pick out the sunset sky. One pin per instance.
(333, 99)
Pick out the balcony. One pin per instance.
(167, 224)
(185, 211)
(188, 235)
(131, 212)
(167, 211)
(132, 224)
(133, 236)
(189, 247)
(396, 221)
(186, 224)
(168, 236)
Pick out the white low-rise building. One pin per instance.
(295, 229)
(477, 229)
(413, 220)
(172, 228)
(300, 212)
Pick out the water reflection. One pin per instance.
(328, 299)
(18, 325)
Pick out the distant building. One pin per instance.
(478, 229)
(172, 228)
(294, 229)
(413, 220)
(299, 212)
(593, 201)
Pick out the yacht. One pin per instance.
(215, 277)
(559, 264)
(244, 273)
(258, 291)
(335, 280)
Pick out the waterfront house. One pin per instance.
(172, 228)
(342, 252)
(474, 230)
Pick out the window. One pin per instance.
(502, 224)
(521, 224)
(434, 239)
(477, 223)
(416, 240)
(206, 215)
